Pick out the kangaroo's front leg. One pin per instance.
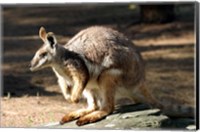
(80, 81)
(77, 90)
(78, 72)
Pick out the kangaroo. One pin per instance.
(101, 65)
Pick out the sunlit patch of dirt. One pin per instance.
(174, 54)
(32, 111)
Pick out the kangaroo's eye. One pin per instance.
(43, 54)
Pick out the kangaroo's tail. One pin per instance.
(169, 106)
(176, 109)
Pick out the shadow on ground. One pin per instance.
(17, 86)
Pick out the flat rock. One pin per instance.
(138, 116)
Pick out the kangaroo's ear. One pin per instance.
(42, 33)
(51, 39)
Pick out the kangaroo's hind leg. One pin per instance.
(107, 85)
(92, 106)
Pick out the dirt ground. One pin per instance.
(30, 99)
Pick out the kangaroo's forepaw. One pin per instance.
(74, 99)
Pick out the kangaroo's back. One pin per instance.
(107, 48)
(97, 42)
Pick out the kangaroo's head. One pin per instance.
(46, 54)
